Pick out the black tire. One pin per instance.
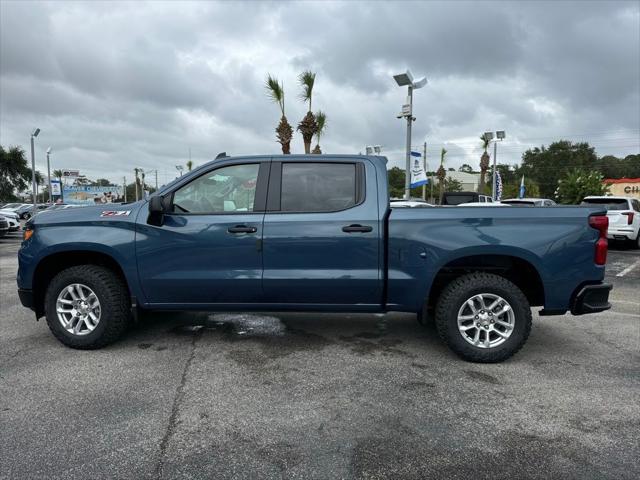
(462, 288)
(114, 302)
(25, 216)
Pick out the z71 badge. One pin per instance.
(115, 213)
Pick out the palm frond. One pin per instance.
(307, 80)
(275, 91)
(321, 121)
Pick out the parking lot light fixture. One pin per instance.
(34, 134)
(406, 80)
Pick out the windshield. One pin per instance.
(607, 203)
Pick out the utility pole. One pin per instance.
(124, 185)
(136, 182)
(424, 160)
(407, 177)
(493, 186)
(49, 175)
(33, 171)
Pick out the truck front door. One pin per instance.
(208, 249)
(322, 234)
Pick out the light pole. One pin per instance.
(500, 135)
(34, 134)
(406, 79)
(49, 175)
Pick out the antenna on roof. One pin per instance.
(221, 155)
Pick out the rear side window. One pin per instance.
(318, 187)
(607, 203)
(636, 205)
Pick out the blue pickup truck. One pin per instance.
(311, 233)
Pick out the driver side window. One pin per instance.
(226, 189)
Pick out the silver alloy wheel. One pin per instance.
(486, 320)
(78, 309)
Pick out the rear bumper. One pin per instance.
(591, 299)
(26, 297)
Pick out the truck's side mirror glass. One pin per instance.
(156, 210)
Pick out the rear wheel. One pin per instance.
(483, 317)
(87, 307)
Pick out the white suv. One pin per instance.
(624, 217)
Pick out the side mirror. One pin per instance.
(156, 210)
(156, 204)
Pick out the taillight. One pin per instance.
(600, 223)
(629, 217)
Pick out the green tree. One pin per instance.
(465, 167)
(577, 184)
(189, 165)
(452, 185)
(308, 124)
(396, 177)
(103, 182)
(512, 189)
(547, 165)
(284, 132)
(321, 120)
(15, 175)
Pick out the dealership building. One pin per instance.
(623, 187)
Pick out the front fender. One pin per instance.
(114, 239)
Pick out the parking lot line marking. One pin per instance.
(624, 301)
(624, 314)
(628, 269)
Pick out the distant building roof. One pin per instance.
(621, 180)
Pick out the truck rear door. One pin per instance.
(321, 233)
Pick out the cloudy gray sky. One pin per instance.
(120, 85)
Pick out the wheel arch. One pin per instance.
(521, 271)
(49, 266)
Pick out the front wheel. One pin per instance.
(87, 306)
(483, 317)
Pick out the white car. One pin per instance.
(529, 202)
(624, 216)
(482, 204)
(409, 204)
(12, 218)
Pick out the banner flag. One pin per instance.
(418, 175)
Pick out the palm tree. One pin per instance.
(484, 162)
(308, 125)
(321, 120)
(284, 132)
(441, 173)
(189, 165)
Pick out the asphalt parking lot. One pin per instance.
(320, 396)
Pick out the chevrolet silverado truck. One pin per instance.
(311, 233)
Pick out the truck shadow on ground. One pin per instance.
(283, 333)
